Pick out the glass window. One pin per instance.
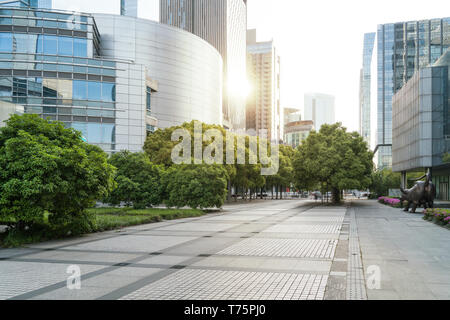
(108, 133)
(108, 92)
(94, 90)
(109, 72)
(94, 133)
(149, 100)
(80, 69)
(50, 44)
(5, 42)
(5, 87)
(82, 127)
(94, 113)
(79, 112)
(40, 44)
(65, 46)
(79, 47)
(79, 90)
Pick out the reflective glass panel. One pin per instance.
(50, 44)
(108, 92)
(65, 46)
(79, 47)
(79, 90)
(94, 90)
(5, 42)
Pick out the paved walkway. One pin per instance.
(264, 250)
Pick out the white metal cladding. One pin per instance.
(187, 68)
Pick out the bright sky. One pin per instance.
(320, 42)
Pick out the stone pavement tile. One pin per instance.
(85, 293)
(440, 291)
(202, 246)
(224, 261)
(17, 278)
(232, 285)
(294, 248)
(134, 243)
(74, 256)
(7, 253)
(135, 271)
(164, 259)
(329, 228)
(295, 235)
(113, 281)
(198, 226)
(382, 295)
(252, 227)
(235, 217)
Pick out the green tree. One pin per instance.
(195, 186)
(45, 167)
(138, 180)
(335, 159)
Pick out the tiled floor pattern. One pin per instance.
(233, 285)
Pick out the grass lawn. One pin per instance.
(103, 219)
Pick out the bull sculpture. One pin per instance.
(423, 193)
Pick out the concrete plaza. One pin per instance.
(275, 250)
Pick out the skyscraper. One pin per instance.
(365, 86)
(129, 8)
(320, 109)
(403, 48)
(264, 110)
(223, 23)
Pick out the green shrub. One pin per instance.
(45, 167)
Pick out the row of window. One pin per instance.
(45, 44)
(57, 89)
(43, 14)
(91, 90)
(83, 112)
(26, 22)
(99, 133)
(57, 67)
(52, 58)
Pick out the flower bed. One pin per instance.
(393, 202)
(438, 216)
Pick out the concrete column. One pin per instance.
(404, 181)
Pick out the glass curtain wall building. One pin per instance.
(115, 85)
(365, 87)
(403, 48)
(50, 65)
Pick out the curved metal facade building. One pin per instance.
(187, 68)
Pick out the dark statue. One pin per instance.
(422, 194)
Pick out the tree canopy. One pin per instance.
(46, 167)
(333, 159)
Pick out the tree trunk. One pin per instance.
(229, 191)
(336, 195)
(281, 192)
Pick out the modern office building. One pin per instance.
(296, 132)
(222, 23)
(421, 125)
(129, 8)
(291, 115)
(365, 88)
(263, 104)
(112, 86)
(319, 108)
(403, 48)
